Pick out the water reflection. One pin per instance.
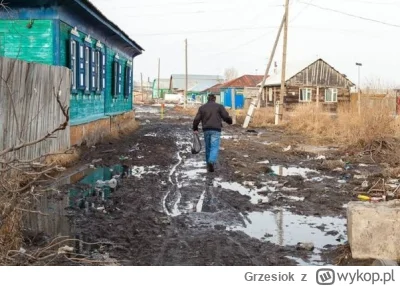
(84, 194)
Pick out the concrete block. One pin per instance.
(373, 230)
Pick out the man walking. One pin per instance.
(211, 116)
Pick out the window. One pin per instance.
(117, 87)
(331, 95)
(128, 81)
(98, 72)
(270, 94)
(81, 68)
(103, 67)
(87, 69)
(93, 70)
(305, 94)
(73, 62)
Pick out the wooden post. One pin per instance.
(253, 104)
(233, 97)
(283, 75)
(317, 96)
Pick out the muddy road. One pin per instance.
(271, 201)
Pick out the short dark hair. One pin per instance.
(212, 97)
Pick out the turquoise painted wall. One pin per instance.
(85, 108)
(29, 41)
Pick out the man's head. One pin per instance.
(212, 97)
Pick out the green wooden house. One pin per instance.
(77, 35)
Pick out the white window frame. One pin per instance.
(308, 94)
(74, 59)
(87, 69)
(334, 95)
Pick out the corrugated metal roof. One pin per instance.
(214, 89)
(164, 83)
(244, 81)
(202, 81)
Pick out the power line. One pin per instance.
(350, 15)
(206, 31)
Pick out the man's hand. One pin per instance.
(196, 132)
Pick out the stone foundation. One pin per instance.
(374, 230)
(93, 132)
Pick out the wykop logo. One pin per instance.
(325, 276)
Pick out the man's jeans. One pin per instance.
(212, 140)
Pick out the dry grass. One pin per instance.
(262, 117)
(346, 127)
(190, 111)
(66, 160)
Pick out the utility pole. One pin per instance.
(359, 89)
(141, 85)
(254, 102)
(158, 80)
(283, 75)
(186, 75)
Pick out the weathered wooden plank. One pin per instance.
(36, 108)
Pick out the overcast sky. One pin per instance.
(241, 33)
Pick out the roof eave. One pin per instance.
(100, 17)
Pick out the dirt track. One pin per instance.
(166, 210)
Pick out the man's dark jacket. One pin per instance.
(211, 116)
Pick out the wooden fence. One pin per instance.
(29, 107)
(386, 101)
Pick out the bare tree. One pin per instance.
(230, 73)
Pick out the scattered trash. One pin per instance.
(22, 250)
(65, 249)
(287, 148)
(246, 156)
(359, 177)
(338, 170)
(93, 147)
(263, 162)
(92, 167)
(363, 165)
(123, 158)
(111, 183)
(309, 246)
(321, 157)
(222, 149)
(100, 208)
(365, 184)
(96, 161)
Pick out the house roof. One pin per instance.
(214, 89)
(89, 8)
(244, 81)
(164, 83)
(196, 83)
(291, 70)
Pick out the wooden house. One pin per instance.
(318, 82)
(75, 34)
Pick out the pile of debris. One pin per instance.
(380, 191)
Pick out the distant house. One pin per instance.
(215, 89)
(316, 82)
(238, 86)
(75, 34)
(164, 88)
(196, 84)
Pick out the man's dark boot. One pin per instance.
(210, 167)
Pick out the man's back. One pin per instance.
(211, 116)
